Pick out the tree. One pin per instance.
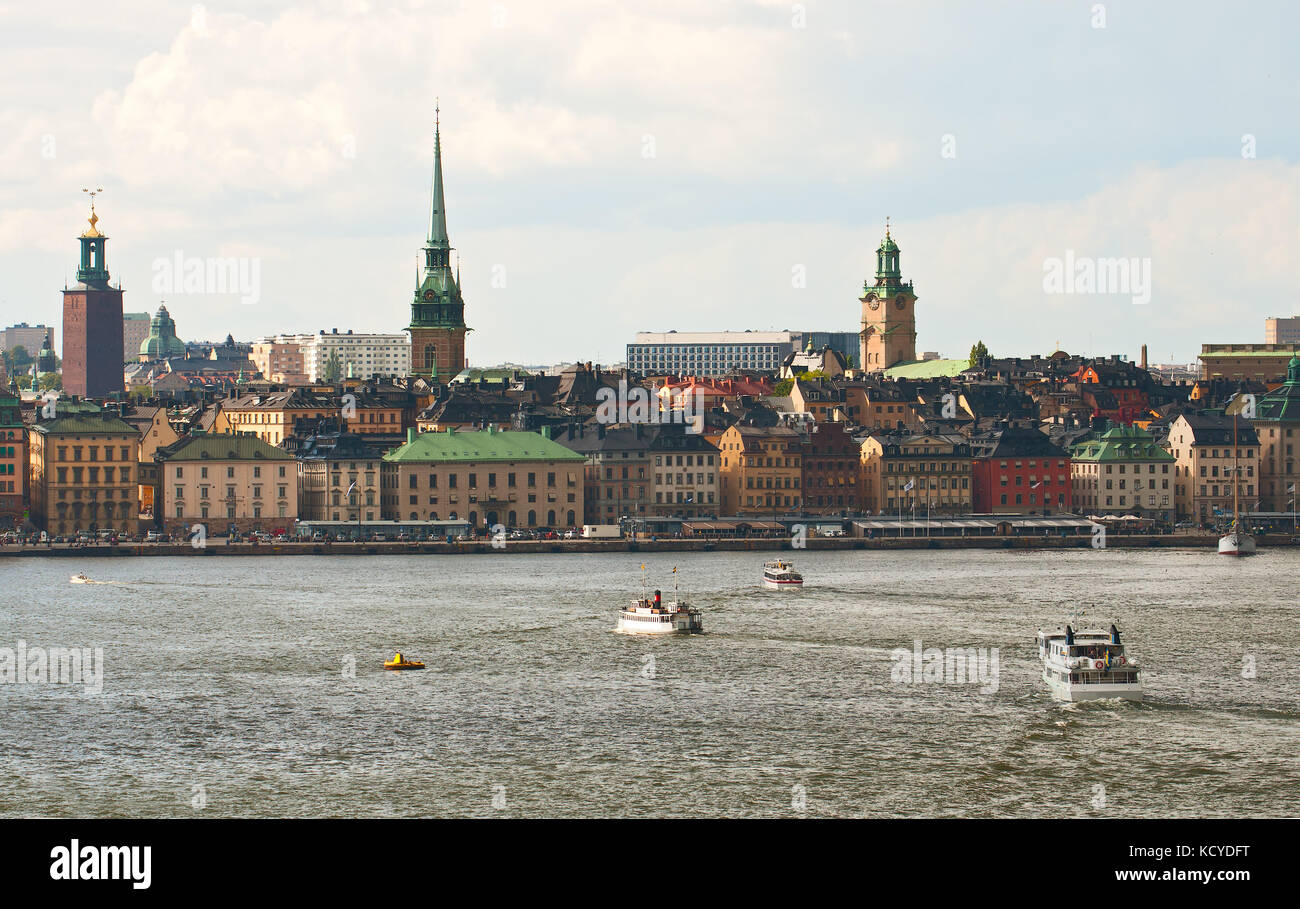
(333, 368)
(50, 381)
(977, 353)
(785, 386)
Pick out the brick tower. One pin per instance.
(92, 322)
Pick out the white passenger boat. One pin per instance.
(1088, 665)
(652, 615)
(779, 574)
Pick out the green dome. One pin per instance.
(162, 341)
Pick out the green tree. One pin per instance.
(49, 381)
(978, 352)
(333, 368)
(785, 386)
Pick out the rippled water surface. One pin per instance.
(228, 674)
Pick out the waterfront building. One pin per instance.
(1202, 444)
(916, 472)
(762, 470)
(1124, 471)
(489, 477)
(888, 335)
(13, 461)
(339, 476)
(1018, 469)
(83, 471)
(156, 431)
(616, 476)
(830, 461)
(162, 343)
(706, 354)
(437, 329)
(686, 481)
(92, 322)
(226, 483)
(1277, 423)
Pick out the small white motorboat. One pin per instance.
(80, 579)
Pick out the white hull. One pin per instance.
(1067, 691)
(781, 585)
(1237, 544)
(680, 625)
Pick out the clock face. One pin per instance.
(873, 303)
(428, 295)
(901, 302)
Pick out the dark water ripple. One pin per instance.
(227, 674)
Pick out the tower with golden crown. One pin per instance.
(888, 335)
(92, 322)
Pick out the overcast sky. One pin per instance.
(619, 167)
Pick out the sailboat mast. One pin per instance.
(1236, 483)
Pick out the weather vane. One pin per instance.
(93, 192)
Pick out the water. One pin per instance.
(224, 683)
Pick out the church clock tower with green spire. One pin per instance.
(888, 335)
(437, 312)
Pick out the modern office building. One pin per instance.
(135, 331)
(1282, 331)
(28, 337)
(710, 353)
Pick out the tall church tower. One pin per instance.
(92, 322)
(888, 313)
(438, 312)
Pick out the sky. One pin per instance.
(696, 165)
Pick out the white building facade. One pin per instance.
(367, 354)
(715, 353)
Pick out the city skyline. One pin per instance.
(686, 184)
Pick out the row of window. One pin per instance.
(92, 452)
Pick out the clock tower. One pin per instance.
(888, 334)
(437, 312)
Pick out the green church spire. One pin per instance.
(438, 214)
(437, 302)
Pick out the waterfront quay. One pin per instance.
(221, 547)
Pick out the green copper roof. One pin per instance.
(222, 447)
(485, 445)
(927, 369)
(438, 210)
(1121, 443)
(1282, 404)
(84, 423)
